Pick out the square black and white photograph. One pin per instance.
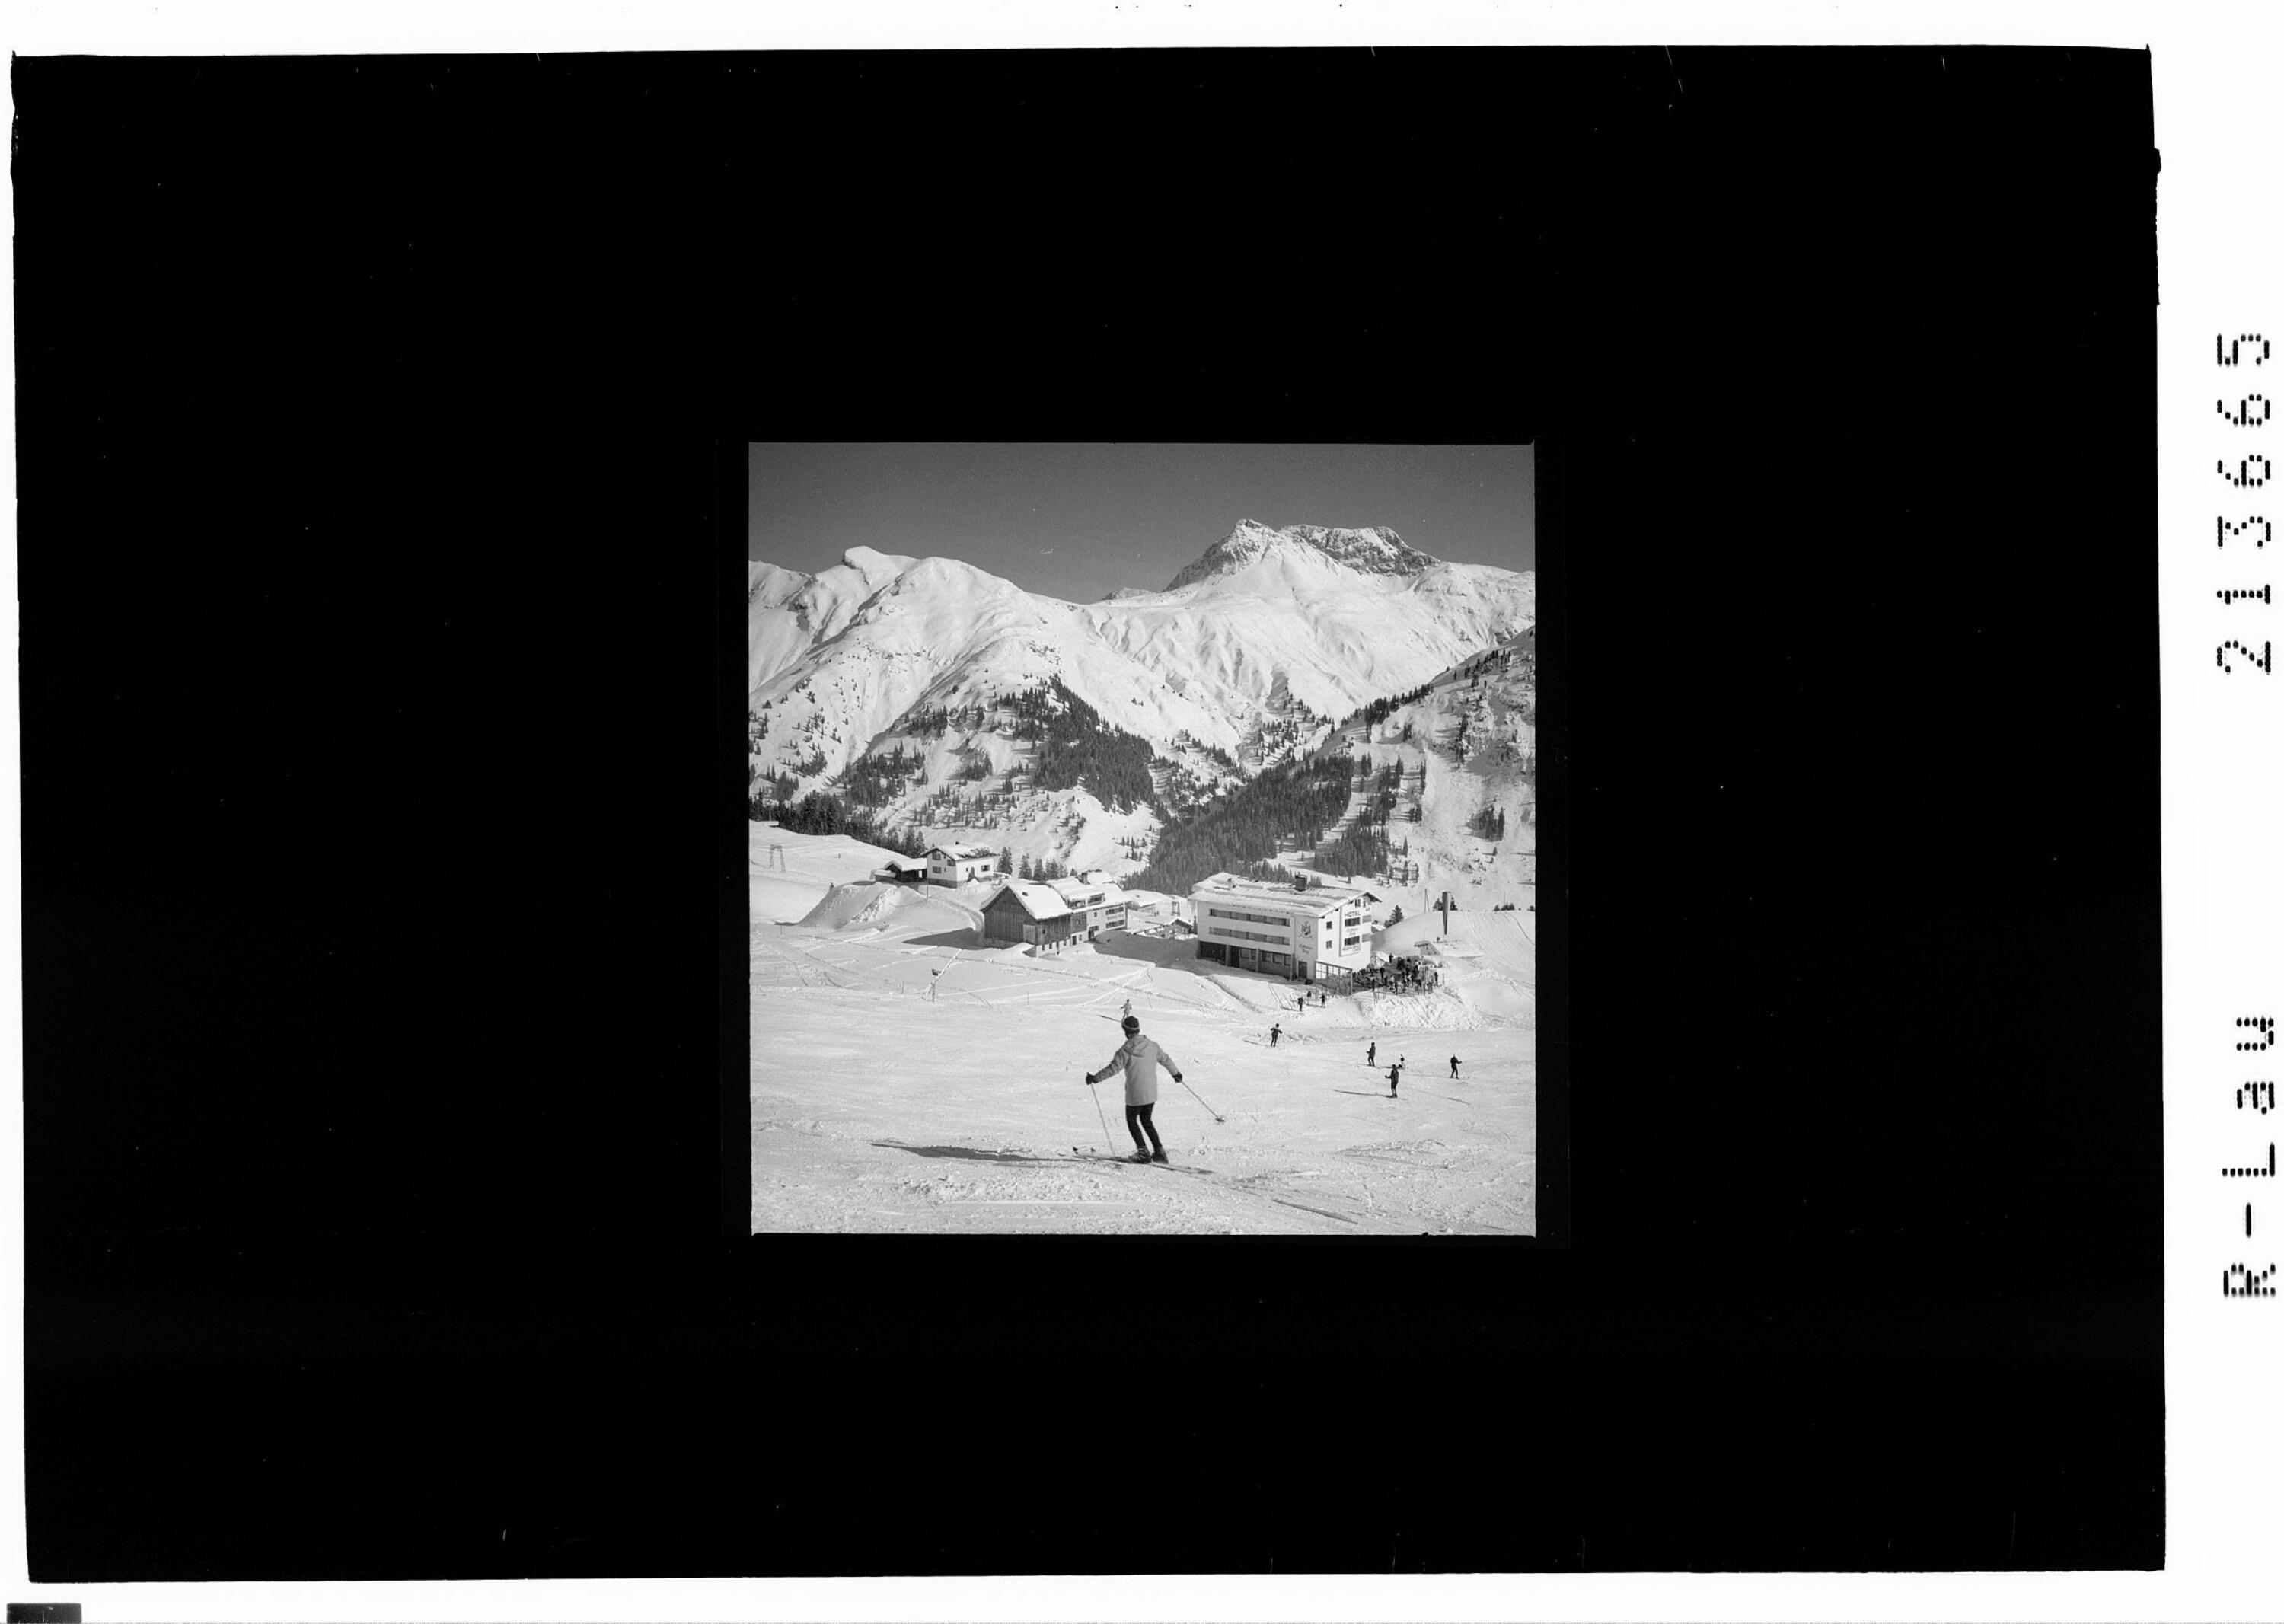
(1143, 839)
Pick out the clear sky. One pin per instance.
(1079, 521)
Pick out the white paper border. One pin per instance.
(2221, 131)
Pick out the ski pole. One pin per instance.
(1105, 1120)
(1201, 1100)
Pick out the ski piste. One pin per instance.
(1267, 1187)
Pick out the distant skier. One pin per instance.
(1129, 1011)
(1141, 1058)
(1371, 1052)
(1392, 1072)
(1274, 1033)
(1455, 1065)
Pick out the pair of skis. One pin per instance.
(1081, 1150)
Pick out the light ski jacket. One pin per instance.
(1141, 1058)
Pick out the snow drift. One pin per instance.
(874, 904)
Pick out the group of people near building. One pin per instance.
(1400, 975)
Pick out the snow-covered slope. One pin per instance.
(1304, 624)
(1463, 747)
(906, 1077)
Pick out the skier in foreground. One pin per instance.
(1141, 1058)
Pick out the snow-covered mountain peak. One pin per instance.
(874, 568)
(1377, 551)
(1282, 632)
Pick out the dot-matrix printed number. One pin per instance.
(2250, 471)
(2260, 1097)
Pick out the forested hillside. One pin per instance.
(1284, 806)
(1075, 746)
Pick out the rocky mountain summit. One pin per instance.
(1378, 551)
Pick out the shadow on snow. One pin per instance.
(1118, 944)
(962, 1152)
(965, 938)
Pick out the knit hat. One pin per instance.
(1131, 1023)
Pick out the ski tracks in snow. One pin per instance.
(872, 1115)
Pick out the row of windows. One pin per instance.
(1248, 935)
(1230, 913)
(1227, 930)
(1009, 905)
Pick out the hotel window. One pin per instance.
(1258, 918)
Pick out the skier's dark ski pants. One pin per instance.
(1137, 1123)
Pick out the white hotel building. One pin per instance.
(1314, 935)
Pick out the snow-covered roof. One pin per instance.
(961, 854)
(906, 865)
(1076, 892)
(1315, 900)
(1038, 899)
